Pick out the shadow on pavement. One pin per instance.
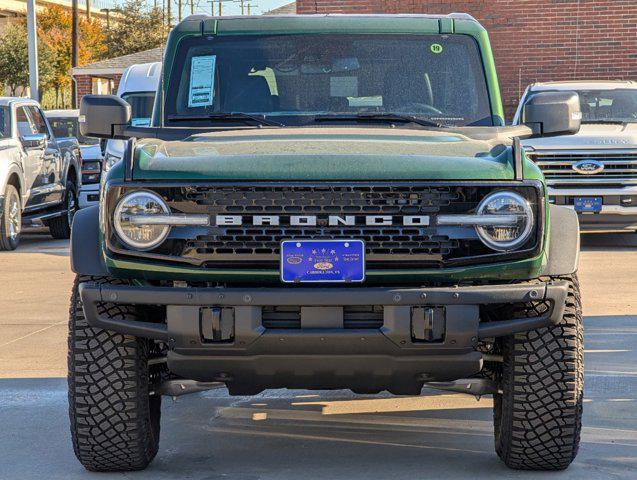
(39, 241)
(615, 241)
(287, 434)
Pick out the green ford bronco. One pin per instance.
(326, 202)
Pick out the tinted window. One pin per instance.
(141, 107)
(64, 127)
(609, 105)
(38, 120)
(436, 77)
(5, 122)
(24, 123)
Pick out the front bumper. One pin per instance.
(89, 195)
(361, 359)
(619, 208)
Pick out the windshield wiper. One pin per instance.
(378, 117)
(225, 116)
(606, 122)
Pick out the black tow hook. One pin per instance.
(178, 387)
(472, 386)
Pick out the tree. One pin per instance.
(14, 59)
(55, 26)
(134, 28)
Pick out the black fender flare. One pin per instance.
(563, 242)
(86, 254)
(72, 162)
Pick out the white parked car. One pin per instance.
(64, 124)
(138, 87)
(39, 173)
(594, 171)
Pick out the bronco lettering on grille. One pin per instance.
(313, 220)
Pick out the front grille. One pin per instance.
(558, 166)
(354, 317)
(379, 241)
(387, 246)
(383, 243)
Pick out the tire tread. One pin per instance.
(114, 422)
(537, 417)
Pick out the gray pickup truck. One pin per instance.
(39, 174)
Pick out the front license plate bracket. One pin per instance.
(322, 261)
(588, 204)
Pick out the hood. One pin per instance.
(590, 136)
(325, 154)
(91, 152)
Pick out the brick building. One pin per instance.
(533, 40)
(103, 77)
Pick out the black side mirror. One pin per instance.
(36, 141)
(104, 116)
(553, 113)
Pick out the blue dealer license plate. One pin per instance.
(588, 204)
(307, 261)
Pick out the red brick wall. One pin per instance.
(533, 40)
(84, 84)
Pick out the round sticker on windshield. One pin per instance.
(436, 48)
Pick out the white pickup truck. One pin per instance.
(39, 174)
(595, 170)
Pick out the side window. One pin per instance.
(38, 121)
(23, 122)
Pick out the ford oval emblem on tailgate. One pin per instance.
(588, 167)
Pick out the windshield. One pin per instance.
(297, 77)
(65, 127)
(608, 105)
(141, 107)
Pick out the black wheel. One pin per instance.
(114, 418)
(538, 414)
(60, 227)
(10, 219)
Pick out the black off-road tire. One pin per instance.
(60, 227)
(538, 415)
(7, 220)
(114, 419)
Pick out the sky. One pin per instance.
(233, 7)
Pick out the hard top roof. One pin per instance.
(6, 101)
(312, 22)
(584, 85)
(62, 113)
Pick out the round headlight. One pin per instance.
(133, 233)
(512, 233)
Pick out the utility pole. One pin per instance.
(170, 15)
(179, 7)
(88, 10)
(243, 6)
(107, 11)
(33, 51)
(192, 7)
(74, 49)
(220, 8)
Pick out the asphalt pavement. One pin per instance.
(287, 434)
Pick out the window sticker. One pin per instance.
(436, 48)
(202, 81)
